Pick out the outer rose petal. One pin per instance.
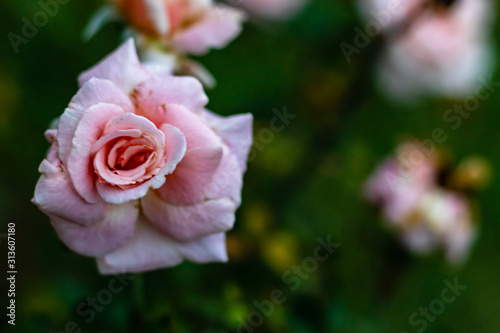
(56, 196)
(191, 178)
(175, 148)
(122, 67)
(150, 249)
(198, 134)
(215, 30)
(152, 95)
(236, 132)
(90, 129)
(214, 212)
(102, 237)
(227, 181)
(93, 92)
(203, 155)
(187, 223)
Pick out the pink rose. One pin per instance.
(399, 182)
(424, 215)
(186, 26)
(434, 47)
(140, 175)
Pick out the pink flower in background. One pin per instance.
(272, 9)
(436, 47)
(184, 26)
(389, 13)
(441, 219)
(414, 205)
(400, 182)
(140, 175)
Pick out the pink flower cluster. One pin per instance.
(424, 214)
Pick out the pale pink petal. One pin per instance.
(53, 154)
(218, 27)
(227, 181)
(204, 151)
(158, 14)
(151, 97)
(150, 249)
(190, 180)
(93, 92)
(89, 130)
(175, 148)
(116, 195)
(186, 223)
(236, 132)
(55, 195)
(131, 121)
(122, 67)
(112, 232)
(197, 133)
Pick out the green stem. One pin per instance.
(138, 318)
(138, 290)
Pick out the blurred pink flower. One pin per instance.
(140, 175)
(442, 219)
(400, 182)
(272, 9)
(424, 215)
(435, 47)
(184, 26)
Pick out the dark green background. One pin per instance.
(304, 184)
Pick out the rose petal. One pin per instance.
(122, 67)
(55, 195)
(158, 13)
(93, 92)
(191, 178)
(227, 180)
(197, 133)
(107, 235)
(149, 250)
(187, 223)
(152, 96)
(215, 30)
(236, 132)
(89, 130)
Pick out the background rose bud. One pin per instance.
(139, 174)
(185, 26)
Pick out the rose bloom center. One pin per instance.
(126, 160)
